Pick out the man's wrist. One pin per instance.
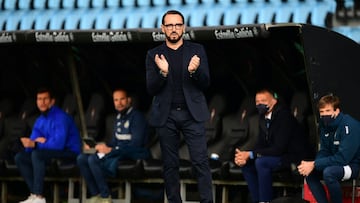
(163, 73)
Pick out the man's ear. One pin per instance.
(129, 100)
(52, 102)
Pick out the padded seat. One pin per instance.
(87, 20)
(40, 4)
(13, 20)
(53, 4)
(302, 12)
(43, 18)
(119, 18)
(58, 21)
(95, 117)
(23, 4)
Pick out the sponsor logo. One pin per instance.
(111, 36)
(53, 37)
(6, 37)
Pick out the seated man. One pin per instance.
(280, 143)
(54, 135)
(129, 137)
(338, 158)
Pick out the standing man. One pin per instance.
(280, 144)
(54, 135)
(128, 142)
(338, 158)
(177, 73)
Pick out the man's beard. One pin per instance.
(173, 40)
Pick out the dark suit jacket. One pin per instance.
(193, 84)
(284, 138)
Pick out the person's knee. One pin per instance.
(92, 159)
(81, 159)
(332, 174)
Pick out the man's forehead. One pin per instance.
(173, 17)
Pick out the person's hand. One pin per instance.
(40, 139)
(306, 167)
(241, 157)
(102, 148)
(26, 142)
(194, 64)
(162, 63)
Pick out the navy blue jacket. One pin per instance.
(193, 84)
(339, 143)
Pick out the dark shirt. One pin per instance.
(175, 59)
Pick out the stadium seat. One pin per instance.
(233, 15)
(118, 19)
(215, 15)
(24, 4)
(152, 18)
(6, 109)
(3, 17)
(9, 5)
(28, 20)
(95, 117)
(102, 20)
(13, 20)
(197, 15)
(250, 14)
(112, 3)
(302, 12)
(134, 20)
(142, 3)
(87, 19)
(175, 2)
(128, 3)
(267, 12)
(157, 3)
(98, 3)
(40, 4)
(68, 3)
(192, 2)
(83, 3)
(58, 21)
(54, 4)
(43, 18)
(285, 12)
(72, 20)
(319, 13)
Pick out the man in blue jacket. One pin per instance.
(130, 135)
(177, 73)
(338, 158)
(54, 135)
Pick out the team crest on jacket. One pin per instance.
(126, 124)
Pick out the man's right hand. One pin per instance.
(162, 63)
(241, 157)
(26, 142)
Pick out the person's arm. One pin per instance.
(201, 75)
(348, 148)
(155, 78)
(138, 130)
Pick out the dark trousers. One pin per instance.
(258, 175)
(95, 178)
(194, 134)
(332, 176)
(32, 166)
